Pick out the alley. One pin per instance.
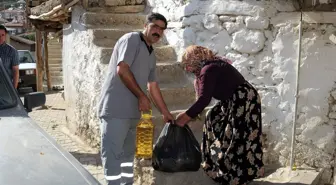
(52, 119)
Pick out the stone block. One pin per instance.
(109, 20)
(212, 23)
(145, 175)
(163, 53)
(170, 73)
(123, 2)
(109, 37)
(225, 8)
(248, 41)
(120, 9)
(259, 23)
(178, 95)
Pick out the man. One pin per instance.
(9, 57)
(123, 97)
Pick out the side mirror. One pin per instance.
(34, 99)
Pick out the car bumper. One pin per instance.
(27, 80)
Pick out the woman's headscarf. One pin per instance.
(194, 56)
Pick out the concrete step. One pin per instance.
(54, 55)
(53, 87)
(178, 95)
(144, 174)
(56, 61)
(163, 53)
(55, 65)
(56, 80)
(110, 20)
(283, 175)
(56, 73)
(120, 9)
(170, 73)
(55, 69)
(55, 47)
(109, 37)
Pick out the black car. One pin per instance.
(28, 155)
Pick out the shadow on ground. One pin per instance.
(88, 158)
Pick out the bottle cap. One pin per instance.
(146, 114)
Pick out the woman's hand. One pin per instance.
(182, 119)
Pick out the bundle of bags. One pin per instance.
(176, 150)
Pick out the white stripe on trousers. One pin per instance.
(112, 178)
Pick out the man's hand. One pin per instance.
(157, 98)
(168, 117)
(144, 103)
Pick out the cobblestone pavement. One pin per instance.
(52, 119)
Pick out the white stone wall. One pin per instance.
(83, 74)
(261, 38)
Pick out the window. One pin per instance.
(25, 57)
(7, 96)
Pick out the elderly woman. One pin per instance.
(231, 146)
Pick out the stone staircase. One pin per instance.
(55, 63)
(177, 89)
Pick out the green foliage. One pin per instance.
(30, 36)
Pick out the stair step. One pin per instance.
(55, 69)
(163, 53)
(55, 47)
(56, 73)
(111, 20)
(56, 80)
(109, 37)
(273, 175)
(179, 95)
(170, 73)
(120, 9)
(55, 65)
(55, 61)
(55, 55)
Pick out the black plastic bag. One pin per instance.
(176, 150)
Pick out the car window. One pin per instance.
(7, 98)
(25, 57)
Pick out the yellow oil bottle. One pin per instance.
(145, 136)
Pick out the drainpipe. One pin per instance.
(296, 95)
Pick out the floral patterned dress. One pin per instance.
(232, 146)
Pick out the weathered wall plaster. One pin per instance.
(261, 38)
(83, 75)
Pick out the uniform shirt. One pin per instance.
(116, 100)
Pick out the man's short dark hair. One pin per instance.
(2, 27)
(156, 16)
